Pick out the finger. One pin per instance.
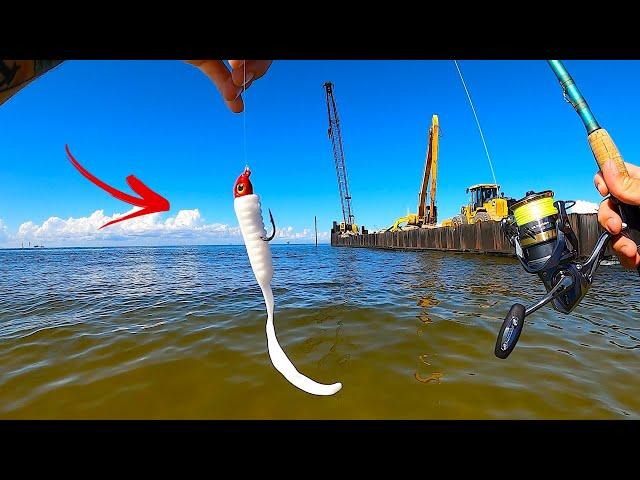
(247, 85)
(219, 74)
(601, 186)
(258, 67)
(598, 181)
(627, 251)
(216, 70)
(624, 187)
(608, 217)
(245, 71)
(237, 105)
(247, 82)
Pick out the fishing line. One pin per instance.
(534, 210)
(477, 122)
(244, 110)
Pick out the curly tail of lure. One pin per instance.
(248, 211)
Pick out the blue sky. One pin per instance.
(165, 122)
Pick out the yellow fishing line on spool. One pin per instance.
(534, 210)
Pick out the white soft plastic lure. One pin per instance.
(248, 210)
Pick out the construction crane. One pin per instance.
(425, 216)
(348, 225)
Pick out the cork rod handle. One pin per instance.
(604, 149)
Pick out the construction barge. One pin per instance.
(476, 230)
(480, 237)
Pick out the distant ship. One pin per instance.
(35, 246)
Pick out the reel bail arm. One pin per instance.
(590, 266)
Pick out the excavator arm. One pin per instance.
(410, 219)
(424, 217)
(433, 146)
(430, 171)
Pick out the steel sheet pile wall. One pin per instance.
(484, 237)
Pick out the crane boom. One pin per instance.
(425, 216)
(434, 143)
(335, 134)
(430, 170)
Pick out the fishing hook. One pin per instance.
(273, 223)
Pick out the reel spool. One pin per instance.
(546, 245)
(536, 217)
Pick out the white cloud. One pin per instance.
(186, 227)
(306, 234)
(582, 206)
(4, 232)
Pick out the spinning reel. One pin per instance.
(545, 244)
(544, 241)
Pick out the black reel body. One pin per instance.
(546, 245)
(630, 215)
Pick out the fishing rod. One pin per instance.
(601, 143)
(545, 243)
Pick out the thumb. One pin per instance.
(621, 185)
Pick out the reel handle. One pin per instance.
(514, 321)
(510, 331)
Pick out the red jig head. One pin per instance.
(243, 184)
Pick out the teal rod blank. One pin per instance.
(573, 95)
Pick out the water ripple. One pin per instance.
(178, 332)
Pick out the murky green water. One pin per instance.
(179, 333)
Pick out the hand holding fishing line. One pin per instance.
(231, 84)
(20, 73)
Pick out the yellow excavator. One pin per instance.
(484, 205)
(426, 216)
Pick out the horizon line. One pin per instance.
(157, 246)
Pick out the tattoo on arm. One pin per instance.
(16, 74)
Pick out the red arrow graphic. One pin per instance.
(150, 202)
